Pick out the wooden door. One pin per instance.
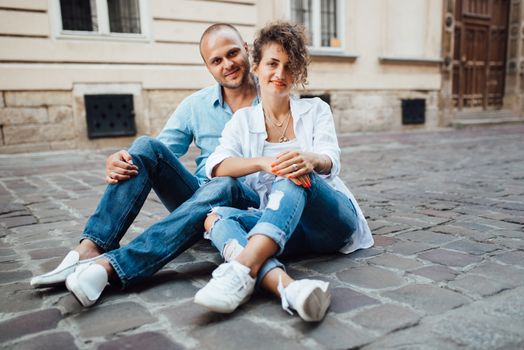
(479, 57)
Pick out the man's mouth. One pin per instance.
(232, 73)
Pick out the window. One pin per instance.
(322, 19)
(103, 17)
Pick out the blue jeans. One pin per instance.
(299, 220)
(179, 191)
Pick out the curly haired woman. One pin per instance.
(287, 150)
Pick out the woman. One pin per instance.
(287, 151)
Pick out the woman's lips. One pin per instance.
(279, 83)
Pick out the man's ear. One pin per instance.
(246, 47)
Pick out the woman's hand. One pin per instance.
(293, 164)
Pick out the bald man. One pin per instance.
(153, 163)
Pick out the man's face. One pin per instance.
(225, 56)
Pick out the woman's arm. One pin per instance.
(240, 166)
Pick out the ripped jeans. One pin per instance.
(299, 220)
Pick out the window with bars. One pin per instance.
(101, 16)
(322, 19)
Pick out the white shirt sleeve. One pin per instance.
(230, 143)
(325, 136)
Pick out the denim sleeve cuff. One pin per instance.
(271, 231)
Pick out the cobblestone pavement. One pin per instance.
(447, 271)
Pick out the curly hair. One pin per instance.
(292, 38)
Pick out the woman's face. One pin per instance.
(273, 71)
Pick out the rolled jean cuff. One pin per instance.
(119, 272)
(271, 231)
(98, 242)
(269, 265)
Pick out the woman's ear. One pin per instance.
(254, 69)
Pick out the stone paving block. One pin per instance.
(33, 322)
(449, 257)
(190, 315)
(515, 257)
(100, 321)
(509, 243)
(158, 290)
(384, 241)
(47, 253)
(17, 221)
(335, 264)
(391, 229)
(333, 334)
(370, 277)
(510, 234)
(494, 323)
(509, 275)
(436, 273)
(477, 285)
(365, 253)
(387, 318)
(52, 341)
(145, 341)
(464, 232)
(395, 262)
(471, 247)
(14, 276)
(429, 298)
(250, 336)
(5, 252)
(346, 299)
(427, 237)
(16, 297)
(408, 248)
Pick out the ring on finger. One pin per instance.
(295, 167)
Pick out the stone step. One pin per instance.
(484, 118)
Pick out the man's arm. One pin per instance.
(177, 135)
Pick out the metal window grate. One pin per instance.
(124, 16)
(413, 111)
(79, 15)
(301, 13)
(110, 115)
(325, 97)
(328, 21)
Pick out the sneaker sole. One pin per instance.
(203, 301)
(314, 304)
(73, 287)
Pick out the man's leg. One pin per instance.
(158, 168)
(168, 238)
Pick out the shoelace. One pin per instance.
(283, 296)
(230, 283)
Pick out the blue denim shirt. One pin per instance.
(200, 117)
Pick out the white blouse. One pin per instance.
(245, 134)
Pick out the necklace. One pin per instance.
(272, 120)
(282, 137)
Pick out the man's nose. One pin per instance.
(227, 63)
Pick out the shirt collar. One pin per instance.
(218, 97)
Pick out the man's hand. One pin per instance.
(120, 167)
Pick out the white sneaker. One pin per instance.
(230, 287)
(60, 273)
(310, 298)
(87, 283)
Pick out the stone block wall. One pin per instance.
(32, 121)
(36, 121)
(53, 120)
(379, 110)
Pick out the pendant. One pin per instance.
(283, 139)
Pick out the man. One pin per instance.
(153, 163)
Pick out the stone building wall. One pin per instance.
(54, 120)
